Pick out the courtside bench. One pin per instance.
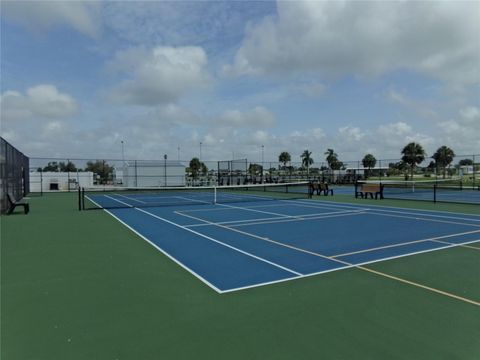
(363, 190)
(319, 188)
(14, 203)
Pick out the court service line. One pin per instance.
(319, 217)
(128, 198)
(358, 266)
(214, 240)
(384, 207)
(424, 219)
(351, 266)
(433, 239)
(221, 243)
(414, 214)
(259, 211)
(270, 220)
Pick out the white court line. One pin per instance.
(214, 240)
(126, 197)
(221, 243)
(183, 266)
(259, 211)
(347, 265)
(433, 239)
(267, 220)
(412, 216)
(206, 237)
(361, 267)
(383, 207)
(320, 217)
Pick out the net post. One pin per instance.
(434, 193)
(79, 199)
(83, 198)
(214, 195)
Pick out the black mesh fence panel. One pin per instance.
(14, 174)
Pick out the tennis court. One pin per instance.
(278, 276)
(245, 239)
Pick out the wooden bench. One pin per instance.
(369, 189)
(319, 188)
(14, 203)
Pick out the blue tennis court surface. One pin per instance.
(237, 246)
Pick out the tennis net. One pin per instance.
(127, 197)
(442, 190)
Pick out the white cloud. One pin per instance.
(257, 117)
(83, 16)
(41, 101)
(351, 132)
(159, 75)
(462, 133)
(335, 38)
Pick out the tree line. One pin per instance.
(412, 154)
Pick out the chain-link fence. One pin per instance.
(14, 174)
(64, 174)
(463, 167)
(68, 174)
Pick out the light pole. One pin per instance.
(263, 148)
(200, 151)
(123, 162)
(178, 153)
(165, 168)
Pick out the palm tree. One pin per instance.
(307, 160)
(284, 158)
(443, 157)
(413, 154)
(369, 162)
(332, 160)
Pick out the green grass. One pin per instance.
(81, 286)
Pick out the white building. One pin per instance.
(150, 173)
(59, 181)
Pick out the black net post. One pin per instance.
(83, 198)
(41, 182)
(474, 171)
(68, 175)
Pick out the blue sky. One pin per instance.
(77, 78)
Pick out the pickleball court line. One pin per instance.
(347, 265)
(359, 266)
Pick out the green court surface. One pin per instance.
(79, 285)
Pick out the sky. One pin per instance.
(233, 79)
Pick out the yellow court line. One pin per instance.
(441, 292)
(434, 239)
(360, 267)
(470, 247)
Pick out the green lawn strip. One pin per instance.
(411, 204)
(81, 286)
